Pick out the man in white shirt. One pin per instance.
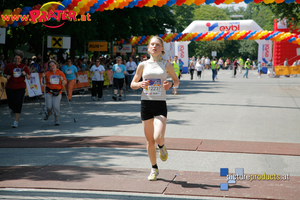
(207, 62)
(286, 64)
(130, 67)
(221, 63)
(97, 71)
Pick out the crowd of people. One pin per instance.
(62, 76)
(149, 75)
(237, 65)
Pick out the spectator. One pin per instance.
(247, 67)
(44, 67)
(2, 65)
(199, 68)
(235, 67)
(221, 63)
(213, 64)
(228, 63)
(25, 61)
(241, 64)
(180, 67)
(253, 65)
(130, 67)
(119, 72)
(192, 68)
(259, 68)
(97, 71)
(177, 71)
(207, 63)
(286, 64)
(81, 66)
(35, 64)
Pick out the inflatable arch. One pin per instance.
(284, 49)
(264, 46)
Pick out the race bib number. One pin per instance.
(69, 71)
(54, 79)
(17, 72)
(97, 71)
(154, 88)
(118, 69)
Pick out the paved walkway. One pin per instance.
(232, 123)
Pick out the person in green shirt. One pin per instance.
(213, 65)
(241, 64)
(176, 66)
(247, 67)
(177, 71)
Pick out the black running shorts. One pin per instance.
(150, 109)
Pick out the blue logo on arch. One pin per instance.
(213, 26)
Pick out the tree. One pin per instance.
(200, 48)
(108, 25)
(288, 11)
(208, 12)
(248, 49)
(184, 15)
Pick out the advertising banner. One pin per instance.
(222, 25)
(2, 35)
(59, 42)
(126, 48)
(143, 49)
(97, 46)
(282, 70)
(33, 85)
(264, 51)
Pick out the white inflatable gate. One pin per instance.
(181, 48)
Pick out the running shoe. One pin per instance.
(163, 153)
(47, 116)
(120, 98)
(153, 175)
(114, 97)
(94, 98)
(15, 125)
(57, 123)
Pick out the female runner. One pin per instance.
(153, 101)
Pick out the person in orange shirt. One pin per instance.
(55, 80)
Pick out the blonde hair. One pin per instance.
(161, 42)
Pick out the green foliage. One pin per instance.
(107, 25)
(208, 12)
(248, 48)
(289, 11)
(184, 16)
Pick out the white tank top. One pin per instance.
(157, 74)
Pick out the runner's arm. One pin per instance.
(135, 84)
